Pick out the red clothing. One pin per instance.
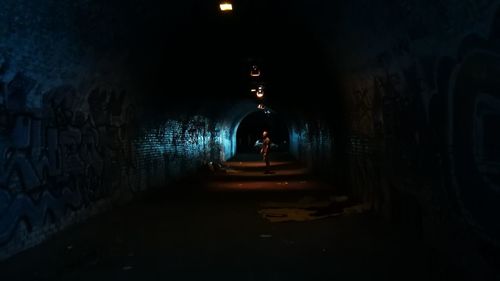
(266, 146)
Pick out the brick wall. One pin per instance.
(56, 175)
(177, 148)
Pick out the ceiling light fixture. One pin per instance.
(226, 6)
(255, 72)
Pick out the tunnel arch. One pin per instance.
(253, 124)
(231, 116)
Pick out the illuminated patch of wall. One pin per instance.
(179, 147)
(228, 147)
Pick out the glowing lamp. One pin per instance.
(260, 94)
(253, 90)
(255, 72)
(225, 7)
(261, 106)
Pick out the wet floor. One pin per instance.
(218, 229)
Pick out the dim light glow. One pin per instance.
(253, 90)
(255, 72)
(261, 106)
(226, 7)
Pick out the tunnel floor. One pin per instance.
(235, 224)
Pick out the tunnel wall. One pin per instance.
(74, 138)
(311, 142)
(421, 91)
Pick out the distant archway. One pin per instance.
(250, 130)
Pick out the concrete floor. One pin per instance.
(212, 230)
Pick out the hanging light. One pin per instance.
(260, 92)
(226, 6)
(255, 72)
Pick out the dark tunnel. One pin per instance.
(131, 143)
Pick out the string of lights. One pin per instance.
(257, 88)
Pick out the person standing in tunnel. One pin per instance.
(266, 147)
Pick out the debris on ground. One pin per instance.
(289, 214)
(215, 167)
(357, 209)
(308, 209)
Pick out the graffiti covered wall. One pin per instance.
(420, 85)
(74, 141)
(70, 158)
(311, 142)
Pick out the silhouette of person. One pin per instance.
(266, 147)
